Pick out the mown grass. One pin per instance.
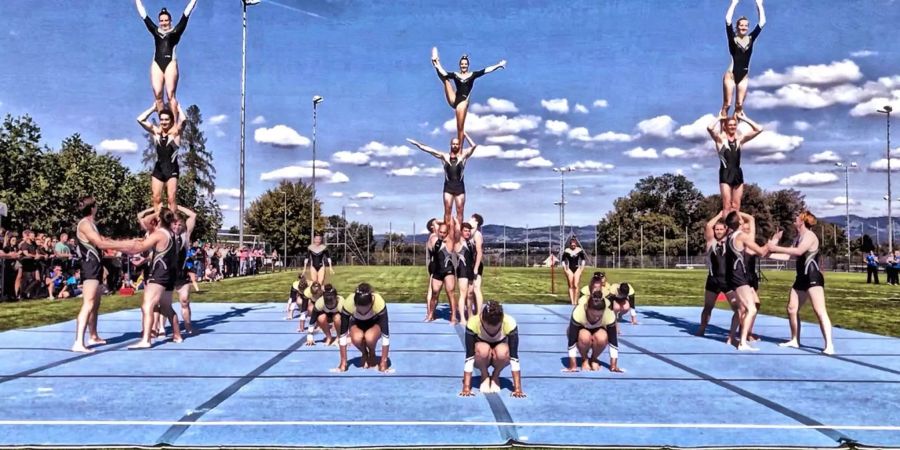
(851, 302)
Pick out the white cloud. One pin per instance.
(600, 103)
(224, 207)
(494, 105)
(771, 141)
(770, 158)
(828, 156)
(378, 149)
(576, 192)
(228, 192)
(556, 127)
(591, 166)
(320, 164)
(218, 119)
(881, 165)
(525, 153)
(280, 136)
(415, 171)
(841, 201)
(582, 134)
(674, 152)
(494, 125)
(813, 75)
(809, 179)
(696, 131)
(810, 97)
(337, 194)
(696, 166)
(355, 158)
(641, 153)
(380, 164)
(304, 172)
(863, 53)
(535, 163)
(801, 125)
(507, 139)
(556, 105)
(363, 196)
(505, 186)
(660, 126)
(352, 205)
(118, 146)
(871, 107)
(258, 120)
(436, 131)
(487, 151)
(581, 108)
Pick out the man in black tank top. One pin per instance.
(90, 244)
(714, 232)
(454, 164)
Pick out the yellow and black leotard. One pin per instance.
(319, 309)
(378, 314)
(509, 333)
(613, 291)
(579, 321)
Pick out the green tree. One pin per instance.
(23, 177)
(265, 216)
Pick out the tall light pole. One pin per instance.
(562, 203)
(887, 111)
(245, 4)
(284, 256)
(847, 203)
(312, 208)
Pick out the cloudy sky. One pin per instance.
(616, 89)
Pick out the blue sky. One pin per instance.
(618, 89)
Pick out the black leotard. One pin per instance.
(466, 261)
(715, 278)
(165, 42)
(166, 166)
(164, 268)
(735, 268)
(808, 273)
(730, 171)
(463, 85)
(317, 259)
(573, 258)
(453, 176)
(91, 263)
(753, 271)
(182, 274)
(443, 261)
(740, 55)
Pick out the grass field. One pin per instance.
(851, 302)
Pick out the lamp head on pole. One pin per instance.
(317, 99)
(251, 2)
(887, 109)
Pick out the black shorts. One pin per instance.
(505, 340)
(465, 271)
(480, 269)
(365, 325)
(91, 269)
(737, 279)
(733, 177)
(716, 285)
(812, 279)
(754, 282)
(454, 187)
(165, 170)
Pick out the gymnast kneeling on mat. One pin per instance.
(622, 297)
(364, 320)
(297, 298)
(492, 340)
(592, 328)
(326, 311)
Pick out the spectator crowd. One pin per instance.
(37, 265)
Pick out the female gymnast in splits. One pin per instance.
(740, 45)
(164, 67)
(463, 80)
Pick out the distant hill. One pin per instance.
(875, 227)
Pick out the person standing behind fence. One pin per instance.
(889, 267)
(895, 267)
(871, 267)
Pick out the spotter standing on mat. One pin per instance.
(593, 327)
(454, 165)
(740, 46)
(715, 233)
(364, 320)
(478, 247)
(326, 311)
(183, 228)
(444, 274)
(736, 276)
(429, 265)
(90, 242)
(164, 67)
(492, 341)
(297, 298)
(464, 81)
(316, 257)
(573, 260)
(465, 272)
(809, 283)
(167, 138)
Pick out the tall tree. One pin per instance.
(266, 215)
(22, 172)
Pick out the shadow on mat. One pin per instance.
(713, 332)
(358, 361)
(202, 326)
(505, 383)
(564, 362)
